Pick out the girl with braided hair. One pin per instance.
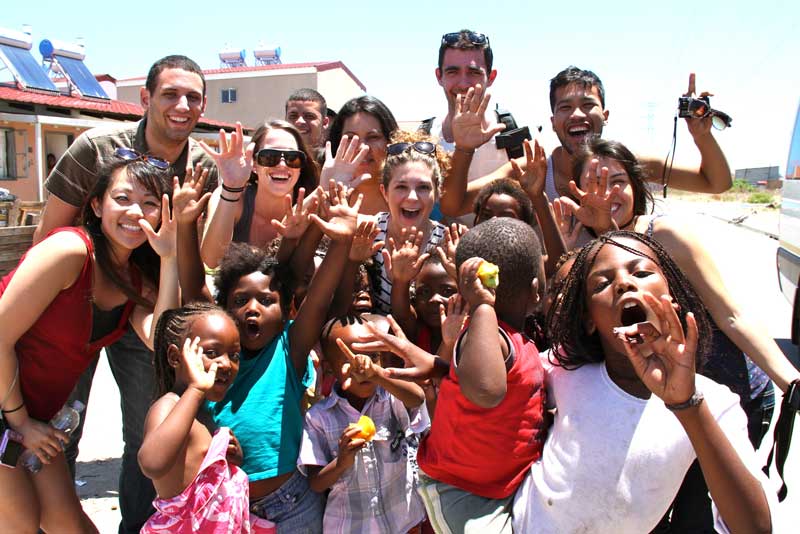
(628, 332)
(196, 359)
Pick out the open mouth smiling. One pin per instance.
(632, 313)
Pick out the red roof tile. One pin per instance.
(112, 108)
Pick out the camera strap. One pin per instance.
(783, 434)
(670, 159)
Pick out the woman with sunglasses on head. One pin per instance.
(410, 187)
(358, 136)
(255, 181)
(73, 293)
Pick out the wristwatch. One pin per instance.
(694, 400)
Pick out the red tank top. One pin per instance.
(487, 451)
(55, 351)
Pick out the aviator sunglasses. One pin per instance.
(477, 39)
(271, 157)
(423, 147)
(129, 154)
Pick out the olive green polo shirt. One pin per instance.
(75, 174)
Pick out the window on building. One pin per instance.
(8, 157)
(228, 96)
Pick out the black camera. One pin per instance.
(699, 108)
(512, 137)
(10, 446)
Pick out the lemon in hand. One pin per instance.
(489, 273)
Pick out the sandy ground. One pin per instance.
(101, 448)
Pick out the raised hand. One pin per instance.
(662, 356)
(570, 228)
(404, 262)
(233, 161)
(342, 168)
(420, 365)
(531, 177)
(594, 209)
(359, 367)
(188, 200)
(698, 127)
(342, 217)
(295, 219)
(470, 286)
(163, 242)
(453, 318)
(192, 361)
(469, 131)
(364, 244)
(447, 248)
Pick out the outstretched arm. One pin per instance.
(188, 202)
(714, 174)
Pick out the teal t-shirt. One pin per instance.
(262, 406)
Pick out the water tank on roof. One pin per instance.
(50, 47)
(16, 39)
(229, 57)
(267, 55)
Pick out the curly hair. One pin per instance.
(566, 319)
(241, 260)
(510, 244)
(172, 328)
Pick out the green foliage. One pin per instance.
(760, 197)
(742, 186)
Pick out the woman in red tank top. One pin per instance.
(114, 260)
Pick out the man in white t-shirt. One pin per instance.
(465, 61)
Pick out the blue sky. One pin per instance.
(746, 53)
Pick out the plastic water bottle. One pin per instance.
(66, 420)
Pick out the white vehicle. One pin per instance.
(788, 258)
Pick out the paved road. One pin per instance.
(745, 258)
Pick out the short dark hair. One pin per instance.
(566, 321)
(172, 62)
(606, 148)
(240, 260)
(362, 104)
(309, 175)
(465, 44)
(510, 244)
(573, 74)
(507, 186)
(171, 329)
(308, 95)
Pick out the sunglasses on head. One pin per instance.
(129, 154)
(271, 157)
(477, 39)
(423, 147)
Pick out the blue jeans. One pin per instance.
(131, 363)
(294, 507)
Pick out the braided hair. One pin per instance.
(567, 316)
(172, 328)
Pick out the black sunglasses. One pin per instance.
(423, 147)
(271, 157)
(129, 154)
(477, 39)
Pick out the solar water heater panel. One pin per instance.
(79, 75)
(28, 71)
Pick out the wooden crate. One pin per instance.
(14, 242)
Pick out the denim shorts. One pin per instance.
(294, 507)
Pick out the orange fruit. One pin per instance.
(366, 428)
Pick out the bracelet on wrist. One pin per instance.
(695, 400)
(18, 408)
(223, 197)
(469, 151)
(233, 189)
